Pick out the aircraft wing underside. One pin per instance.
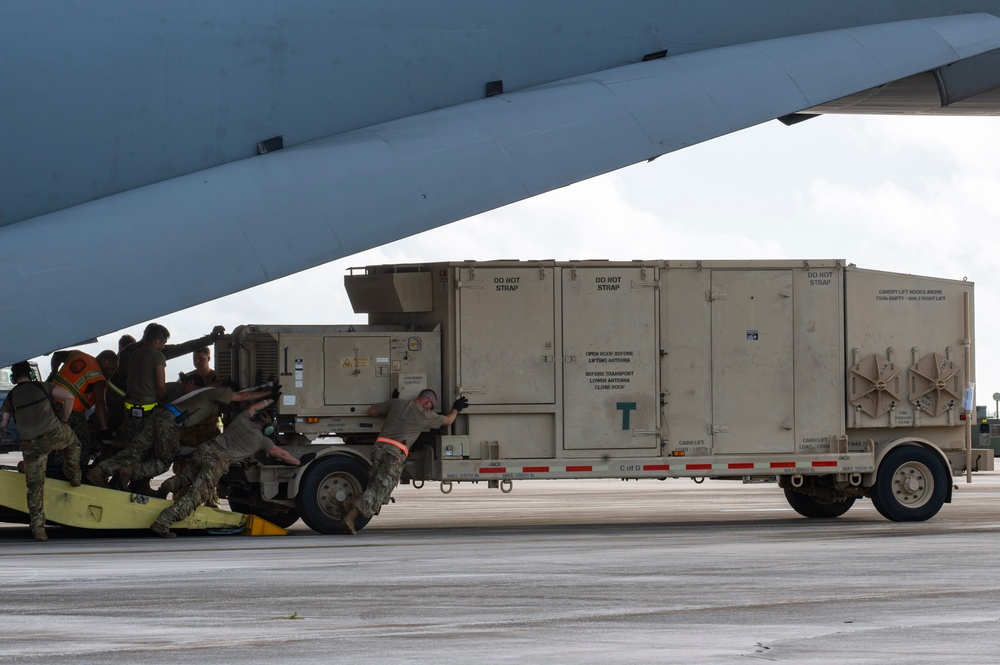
(104, 265)
(969, 87)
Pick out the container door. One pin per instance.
(610, 359)
(752, 370)
(506, 335)
(356, 370)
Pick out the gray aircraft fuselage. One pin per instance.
(105, 96)
(131, 127)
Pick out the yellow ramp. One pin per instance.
(89, 507)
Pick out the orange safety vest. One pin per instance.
(393, 442)
(77, 375)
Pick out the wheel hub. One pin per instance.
(911, 484)
(333, 491)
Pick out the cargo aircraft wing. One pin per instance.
(76, 273)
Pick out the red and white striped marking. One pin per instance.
(679, 467)
(578, 468)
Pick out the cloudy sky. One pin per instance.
(911, 195)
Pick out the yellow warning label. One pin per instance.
(352, 363)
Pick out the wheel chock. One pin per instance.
(258, 526)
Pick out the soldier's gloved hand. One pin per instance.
(218, 331)
(308, 457)
(395, 393)
(275, 392)
(461, 403)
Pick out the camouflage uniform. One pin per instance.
(36, 453)
(43, 433)
(405, 419)
(81, 428)
(152, 451)
(118, 384)
(185, 472)
(195, 436)
(198, 480)
(386, 469)
(130, 427)
(155, 446)
(193, 486)
(140, 389)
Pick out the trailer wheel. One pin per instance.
(810, 506)
(329, 482)
(911, 485)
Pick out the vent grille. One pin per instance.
(223, 357)
(266, 360)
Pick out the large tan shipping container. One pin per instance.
(837, 382)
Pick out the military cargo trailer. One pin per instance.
(839, 383)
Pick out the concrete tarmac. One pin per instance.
(556, 572)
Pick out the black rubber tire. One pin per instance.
(330, 480)
(810, 506)
(283, 518)
(911, 484)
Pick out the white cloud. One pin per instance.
(968, 144)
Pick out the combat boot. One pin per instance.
(162, 530)
(213, 498)
(96, 477)
(351, 513)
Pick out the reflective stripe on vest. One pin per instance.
(393, 442)
(79, 370)
(145, 407)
